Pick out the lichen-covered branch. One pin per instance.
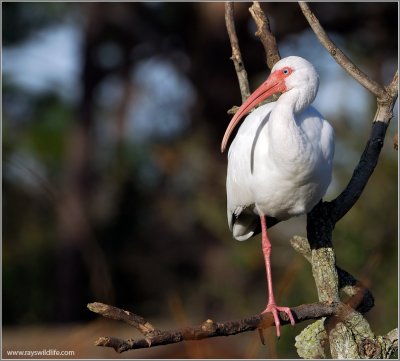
(340, 322)
(349, 336)
(346, 335)
(311, 342)
(354, 293)
(348, 332)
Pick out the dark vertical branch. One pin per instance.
(363, 171)
(347, 332)
(386, 98)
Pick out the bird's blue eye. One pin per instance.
(285, 71)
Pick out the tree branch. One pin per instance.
(115, 313)
(369, 158)
(339, 56)
(386, 98)
(343, 323)
(208, 329)
(349, 337)
(311, 341)
(264, 33)
(393, 87)
(236, 54)
(358, 296)
(363, 171)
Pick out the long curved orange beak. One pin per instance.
(274, 84)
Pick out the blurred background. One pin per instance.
(114, 184)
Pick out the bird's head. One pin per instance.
(291, 73)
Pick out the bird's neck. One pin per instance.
(294, 101)
(285, 134)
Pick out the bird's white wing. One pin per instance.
(308, 174)
(319, 132)
(242, 218)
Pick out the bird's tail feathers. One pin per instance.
(244, 226)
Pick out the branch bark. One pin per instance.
(265, 35)
(386, 99)
(349, 337)
(363, 171)
(236, 54)
(208, 329)
(338, 54)
(357, 295)
(342, 324)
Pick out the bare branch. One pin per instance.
(207, 329)
(355, 332)
(264, 33)
(342, 322)
(386, 98)
(339, 56)
(393, 87)
(363, 171)
(116, 313)
(236, 54)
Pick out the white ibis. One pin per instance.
(280, 162)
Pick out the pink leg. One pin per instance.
(271, 305)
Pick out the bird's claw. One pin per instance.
(274, 309)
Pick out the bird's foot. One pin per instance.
(274, 309)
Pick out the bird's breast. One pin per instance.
(283, 174)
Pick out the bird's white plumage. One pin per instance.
(280, 162)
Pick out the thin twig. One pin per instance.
(264, 33)
(115, 313)
(236, 54)
(339, 56)
(207, 329)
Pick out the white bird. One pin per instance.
(280, 162)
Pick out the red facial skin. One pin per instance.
(275, 83)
